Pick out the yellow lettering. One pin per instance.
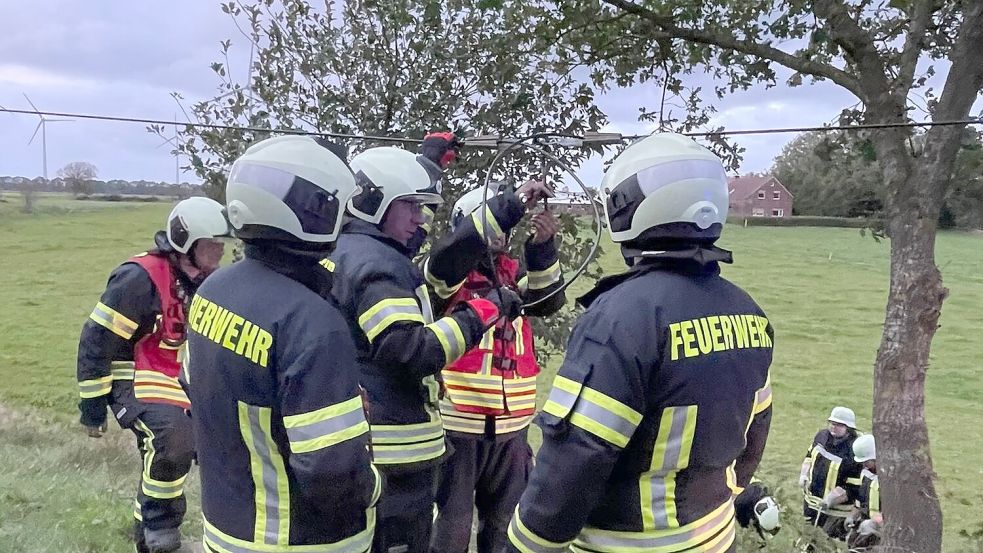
(765, 337)
(752, 330)
(740, 331)
(676, 340)
(725, 329)
(718, 343)
(232, 332)
(703, 338)
(206, 318)
(686, 329)
(222, 319)
(193, 311)
(260, 354)
(246, 339)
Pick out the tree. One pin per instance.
(399, 68)
(78, 176)
(882, 53)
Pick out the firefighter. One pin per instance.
(865, 521)
(756, 508)
(272, 374)
(401, 345)
(829, 475)
(660, 411)
(128, 361)
(490, 392)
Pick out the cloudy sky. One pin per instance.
(122, 57)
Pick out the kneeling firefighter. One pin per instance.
(272, 373)
(661, 409)
(128, 360)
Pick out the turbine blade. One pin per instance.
(36, 129)
(32, 104)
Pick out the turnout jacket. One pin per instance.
(491, 390)
(869, 495)
(401, 346)
(140, 316)
(831, 465)
(657, 417)
(281, 432)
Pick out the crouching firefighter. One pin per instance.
(490, 392)
(829, 475)
(661, 409)
(401, 345)
(128, 360)
(283, 440)
(865, 521)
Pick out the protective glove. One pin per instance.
(508, 302)
(804, 474)
(803, 481)
(440, 148)
(834, 497)
(94, 415)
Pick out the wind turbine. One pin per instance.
(174, 141)
(42, 126)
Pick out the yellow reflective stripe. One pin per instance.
(520, 344)
(854, 481)
(527, 541)
(697, 536)
(391, 454)
(217, 540)
(523, 283)
(388, 311)
(451, 339)
(494, 230)
(762, 398)
(137, 513)
(328, 264)
(151, 487)
(670, 454)
(269, 475)
(113, 320)
(443, 289)
(543, 279)
(593, 411)
(95, 387)
(326, 427)
(122, 371)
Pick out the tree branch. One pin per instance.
(912, 49)
(858, 47)
(722, 39)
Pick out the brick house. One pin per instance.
(759, 196)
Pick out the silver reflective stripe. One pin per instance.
(389, 453)
(833, 458)
(450, 340)
(642, 541)
(675, 441)
(604, 416)
(518, 532)
(562, 398)
(659, 514)
(425, 306)
(262, 450)
(381, 315)
(325, 427)
(359, 543)
(407, 433)
(544, 278)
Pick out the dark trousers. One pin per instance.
(482, 474)
(405, 510)
(164, 438)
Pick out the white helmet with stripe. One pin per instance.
(665, 186)
(196, 218)
(388, 174)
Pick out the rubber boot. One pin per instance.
(138, 539)
(164, 540)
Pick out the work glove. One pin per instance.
(440, 148)
(94, 415)
(804, 474)
(509, 303)
(834, 497)
(803, 481)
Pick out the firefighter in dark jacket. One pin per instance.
(401, 345)
(490, 392)
(661, 409)
(829, 476)
(128, 360)
(272, 374)
(865, 520)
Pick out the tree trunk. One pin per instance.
(912, 514)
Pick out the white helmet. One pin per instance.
(662, 179)
(469, 203)
(196, 218)
(290, 188)
(387, 174)
(843, 415)
(767, 514)
(863, 448)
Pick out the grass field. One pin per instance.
(824, 290)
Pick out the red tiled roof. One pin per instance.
(742, 187)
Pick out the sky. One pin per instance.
(120, 57)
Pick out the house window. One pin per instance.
(777, 212)
(776, 195)
(757, 212)
(761, 194)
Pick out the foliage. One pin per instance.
(78, 176)
(399, 68)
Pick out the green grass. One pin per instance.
(824, 290)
